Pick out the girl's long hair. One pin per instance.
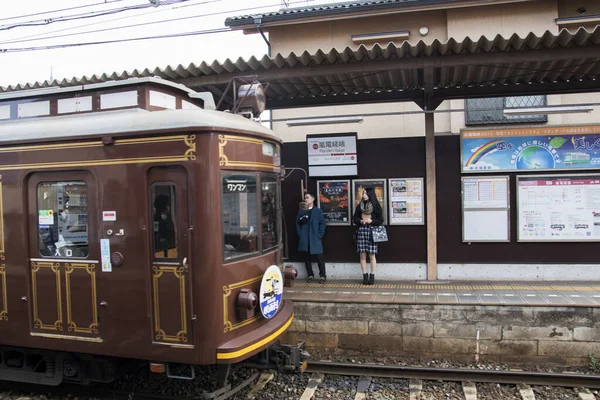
(373, 198)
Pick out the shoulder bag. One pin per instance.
(379, 234)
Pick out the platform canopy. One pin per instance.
(424, 73)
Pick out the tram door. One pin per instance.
(63, 262)
(171, 264)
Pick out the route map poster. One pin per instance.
(526, 149)
(333, 200)
(558, 208)
(406, 201)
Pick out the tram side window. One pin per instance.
(240, 216)
(62, 209)
(164, 221)
(269, 211)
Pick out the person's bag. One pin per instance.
(303, 219)
(379, 234)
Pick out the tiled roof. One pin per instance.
(329, 9)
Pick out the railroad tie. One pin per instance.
(363, 385)
(585, 394)
(265, 377)
(526, 392)
(415, 386)
(311, 386)
(470, 390)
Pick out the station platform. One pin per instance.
(569, 294)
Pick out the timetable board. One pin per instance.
(485, 209)
(485, 192)
(558, 208)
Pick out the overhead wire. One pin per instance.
(92, 14)
(175, 6)
(67, 45)
(61, 10)
(63, 46)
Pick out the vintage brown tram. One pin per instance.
(135, 223)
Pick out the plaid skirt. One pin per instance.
(364, 242)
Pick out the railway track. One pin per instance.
(417, 384)
(581, 383)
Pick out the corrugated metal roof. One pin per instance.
(329, 9)
(394, 72)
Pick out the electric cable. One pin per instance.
(174, 7)
(93, 14)
(63, 46)
(61, 10)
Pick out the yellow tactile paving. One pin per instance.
(471, 287)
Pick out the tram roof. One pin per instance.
(567, 62)
(126, 121)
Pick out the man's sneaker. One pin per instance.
(311, 279)
(322, 280)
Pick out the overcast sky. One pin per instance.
(31, 66)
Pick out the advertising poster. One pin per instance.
(558, 208)
(406, 201)
(334, 201)
(526, 149)
(378, 185)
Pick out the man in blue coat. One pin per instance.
(310, 226)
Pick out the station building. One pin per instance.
(507, 182)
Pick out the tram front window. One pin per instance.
(240, 216)
(63, 219)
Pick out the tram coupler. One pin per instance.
(282, 357)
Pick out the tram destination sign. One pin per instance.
(527, 149)
(332, 155)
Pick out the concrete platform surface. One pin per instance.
(554, 294)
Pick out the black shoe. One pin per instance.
(310, 279)
(322, 280)
(365, 279)
(371, 279)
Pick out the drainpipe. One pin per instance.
(257, 22)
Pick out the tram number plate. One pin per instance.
(303, 366)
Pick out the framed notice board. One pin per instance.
(334, 201)
(558, 208)
(486, 209)
(406, 201)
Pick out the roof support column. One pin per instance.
(429, 104)
(431, 196)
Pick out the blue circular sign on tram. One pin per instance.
(271, 291)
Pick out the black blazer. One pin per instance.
(376, 216)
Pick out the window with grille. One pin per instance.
(491, 110)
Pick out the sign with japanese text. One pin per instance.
(558, 208)
(334, 201)
(332, 155)
(526, 149)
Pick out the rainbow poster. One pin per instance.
(527, 149)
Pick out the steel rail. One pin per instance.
(458, 375)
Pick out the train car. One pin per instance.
(136, 223)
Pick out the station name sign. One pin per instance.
(526, 149)
(332, 155)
